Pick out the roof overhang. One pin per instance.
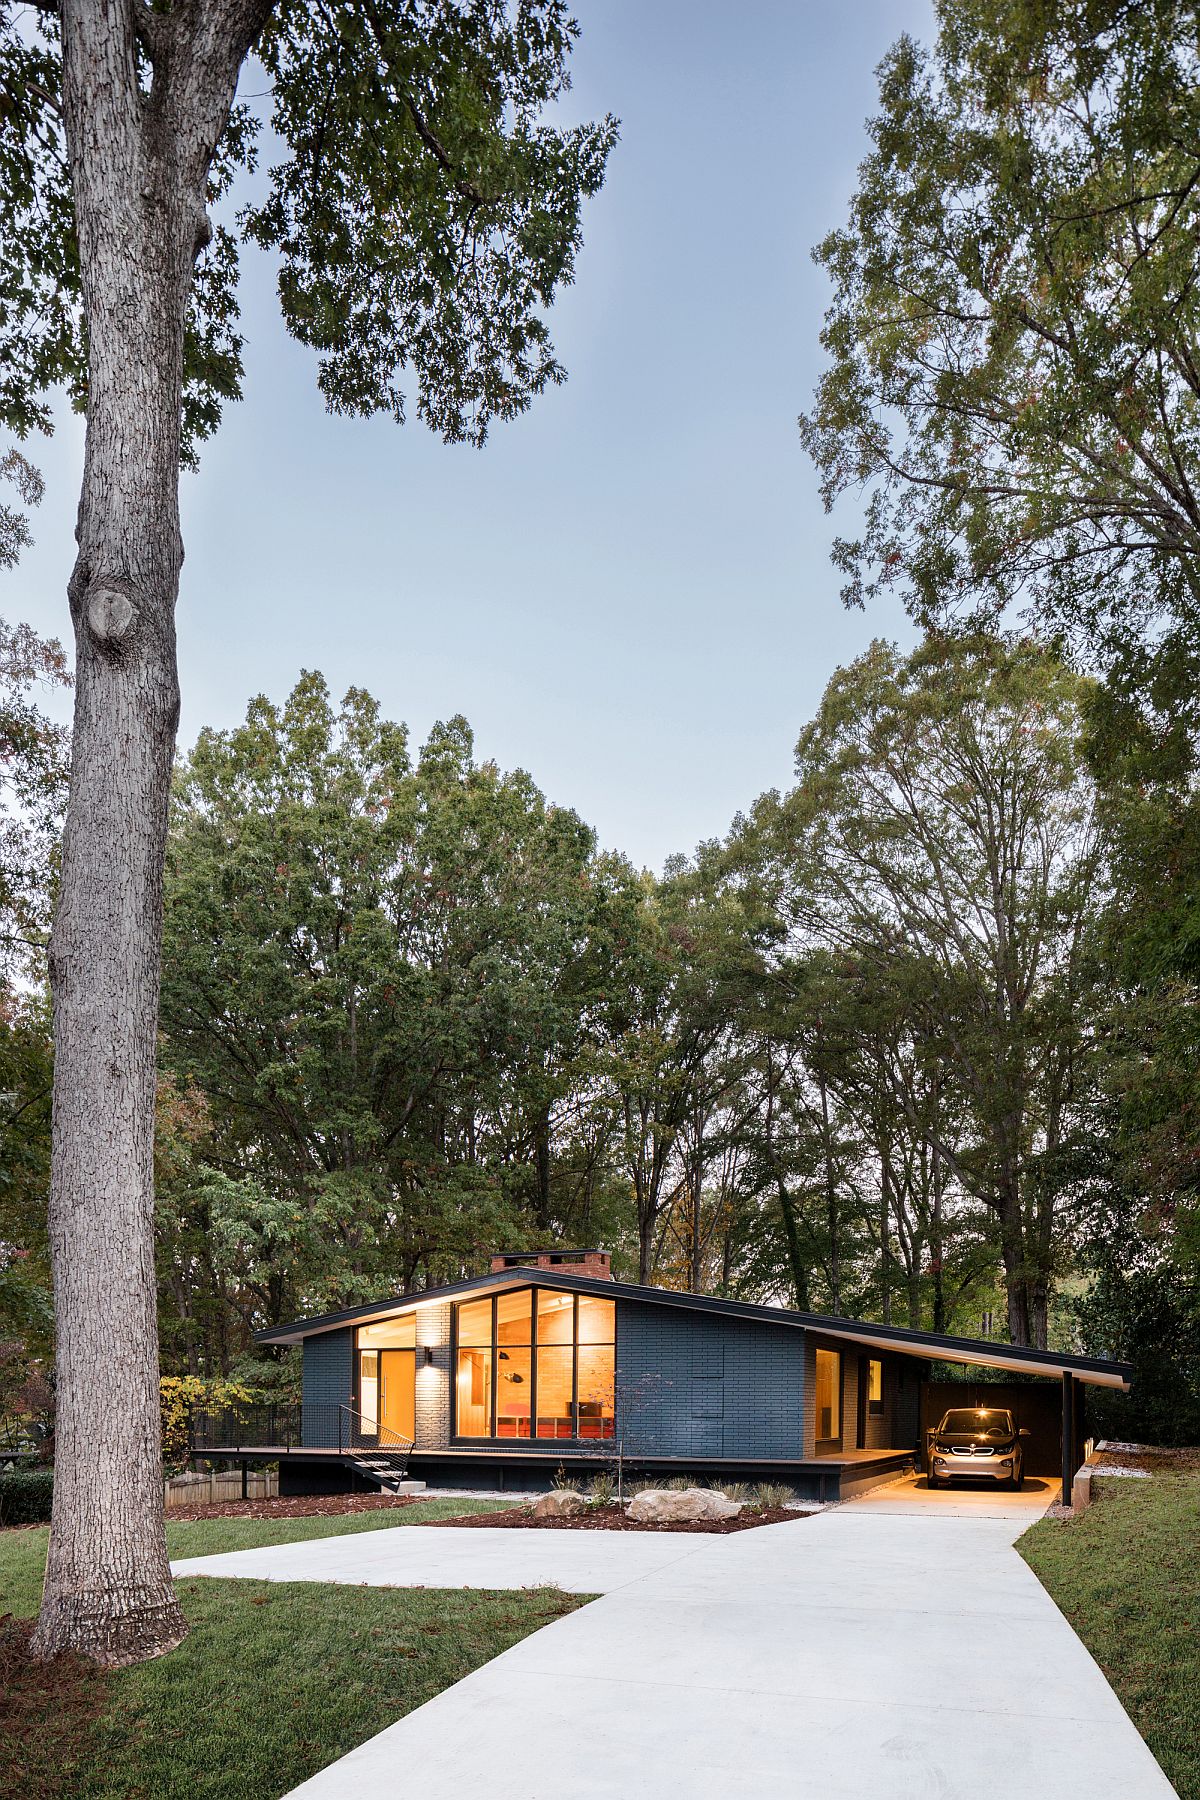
(928, 1346)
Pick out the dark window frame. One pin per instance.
(533, 1440)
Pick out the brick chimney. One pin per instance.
(594, 1263)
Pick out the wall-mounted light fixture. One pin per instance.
(429, 1356)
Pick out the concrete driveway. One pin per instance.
(888, 1649)
(965, 1499)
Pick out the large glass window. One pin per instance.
(829, 1396)
(389, 1334)
(535, 1362)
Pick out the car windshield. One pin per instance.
(978, 1422)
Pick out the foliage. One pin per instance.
(33, 789)
(179, 1396)
(602, 1489)
(378, 981)
(33, 778)
(409, 140)
(25, 1496)
(769, 1494)
(20, 473)
(1126, 1576)
(1142, 1307)
(933, 872)
(1011, 372)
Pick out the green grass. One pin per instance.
(275, 1680)
(23, 1550)
(1127, 1575)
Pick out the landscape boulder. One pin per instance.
(559, 1503)
(672, 1506)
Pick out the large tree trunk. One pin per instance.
(139, 162)
(1012, 1249)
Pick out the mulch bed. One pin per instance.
(612, 1518)
(47, 1710)
(1152, 1460)
(298, 1506)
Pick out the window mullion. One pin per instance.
(495, 1382)
(533, 1365)
(575, 1367)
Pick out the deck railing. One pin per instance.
(231, 1430)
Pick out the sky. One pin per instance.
(628, 592)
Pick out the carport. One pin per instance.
(1032, 1399)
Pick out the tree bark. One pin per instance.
(139, 163)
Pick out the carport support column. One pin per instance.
(1068, 1437)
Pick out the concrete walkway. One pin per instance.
(888, 1649)
(455, 1556)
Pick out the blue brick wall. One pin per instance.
(693, 1384)
(328, 1382)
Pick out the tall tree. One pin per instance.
(941, 843)
(378, 971)
(424, 215)
(1012, 371)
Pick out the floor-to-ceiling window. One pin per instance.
(535, 1363)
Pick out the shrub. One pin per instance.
(181, 1395)
(677, 1484)
(566, 1484)
(25, 1496)
(732, 1490)
(772, 1493)
(602, 1490)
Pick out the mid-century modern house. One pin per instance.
(546, 1360)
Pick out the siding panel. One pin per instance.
(328, 1384)
(693, 1385)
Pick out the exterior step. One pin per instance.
(383, 1472)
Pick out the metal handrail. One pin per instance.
(372, 1434)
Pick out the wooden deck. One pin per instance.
(506, 1466)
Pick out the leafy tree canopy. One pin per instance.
(378, 974)
(423, 212)
(1012, 374)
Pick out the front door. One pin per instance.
(397, 1395)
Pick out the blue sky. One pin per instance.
(628, 592)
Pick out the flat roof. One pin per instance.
(1097, 1371)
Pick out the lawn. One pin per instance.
(1127, 1575)
(23, 1551)
(275, 1681)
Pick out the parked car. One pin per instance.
(976, 1443)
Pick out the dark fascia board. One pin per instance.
(901, 1338)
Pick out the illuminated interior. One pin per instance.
(387, 1360)
(875, 1386)
(389, 1334)
(545, 1370)
(828, 1396)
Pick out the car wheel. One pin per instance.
(1018, 1479)
(932, 1481)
